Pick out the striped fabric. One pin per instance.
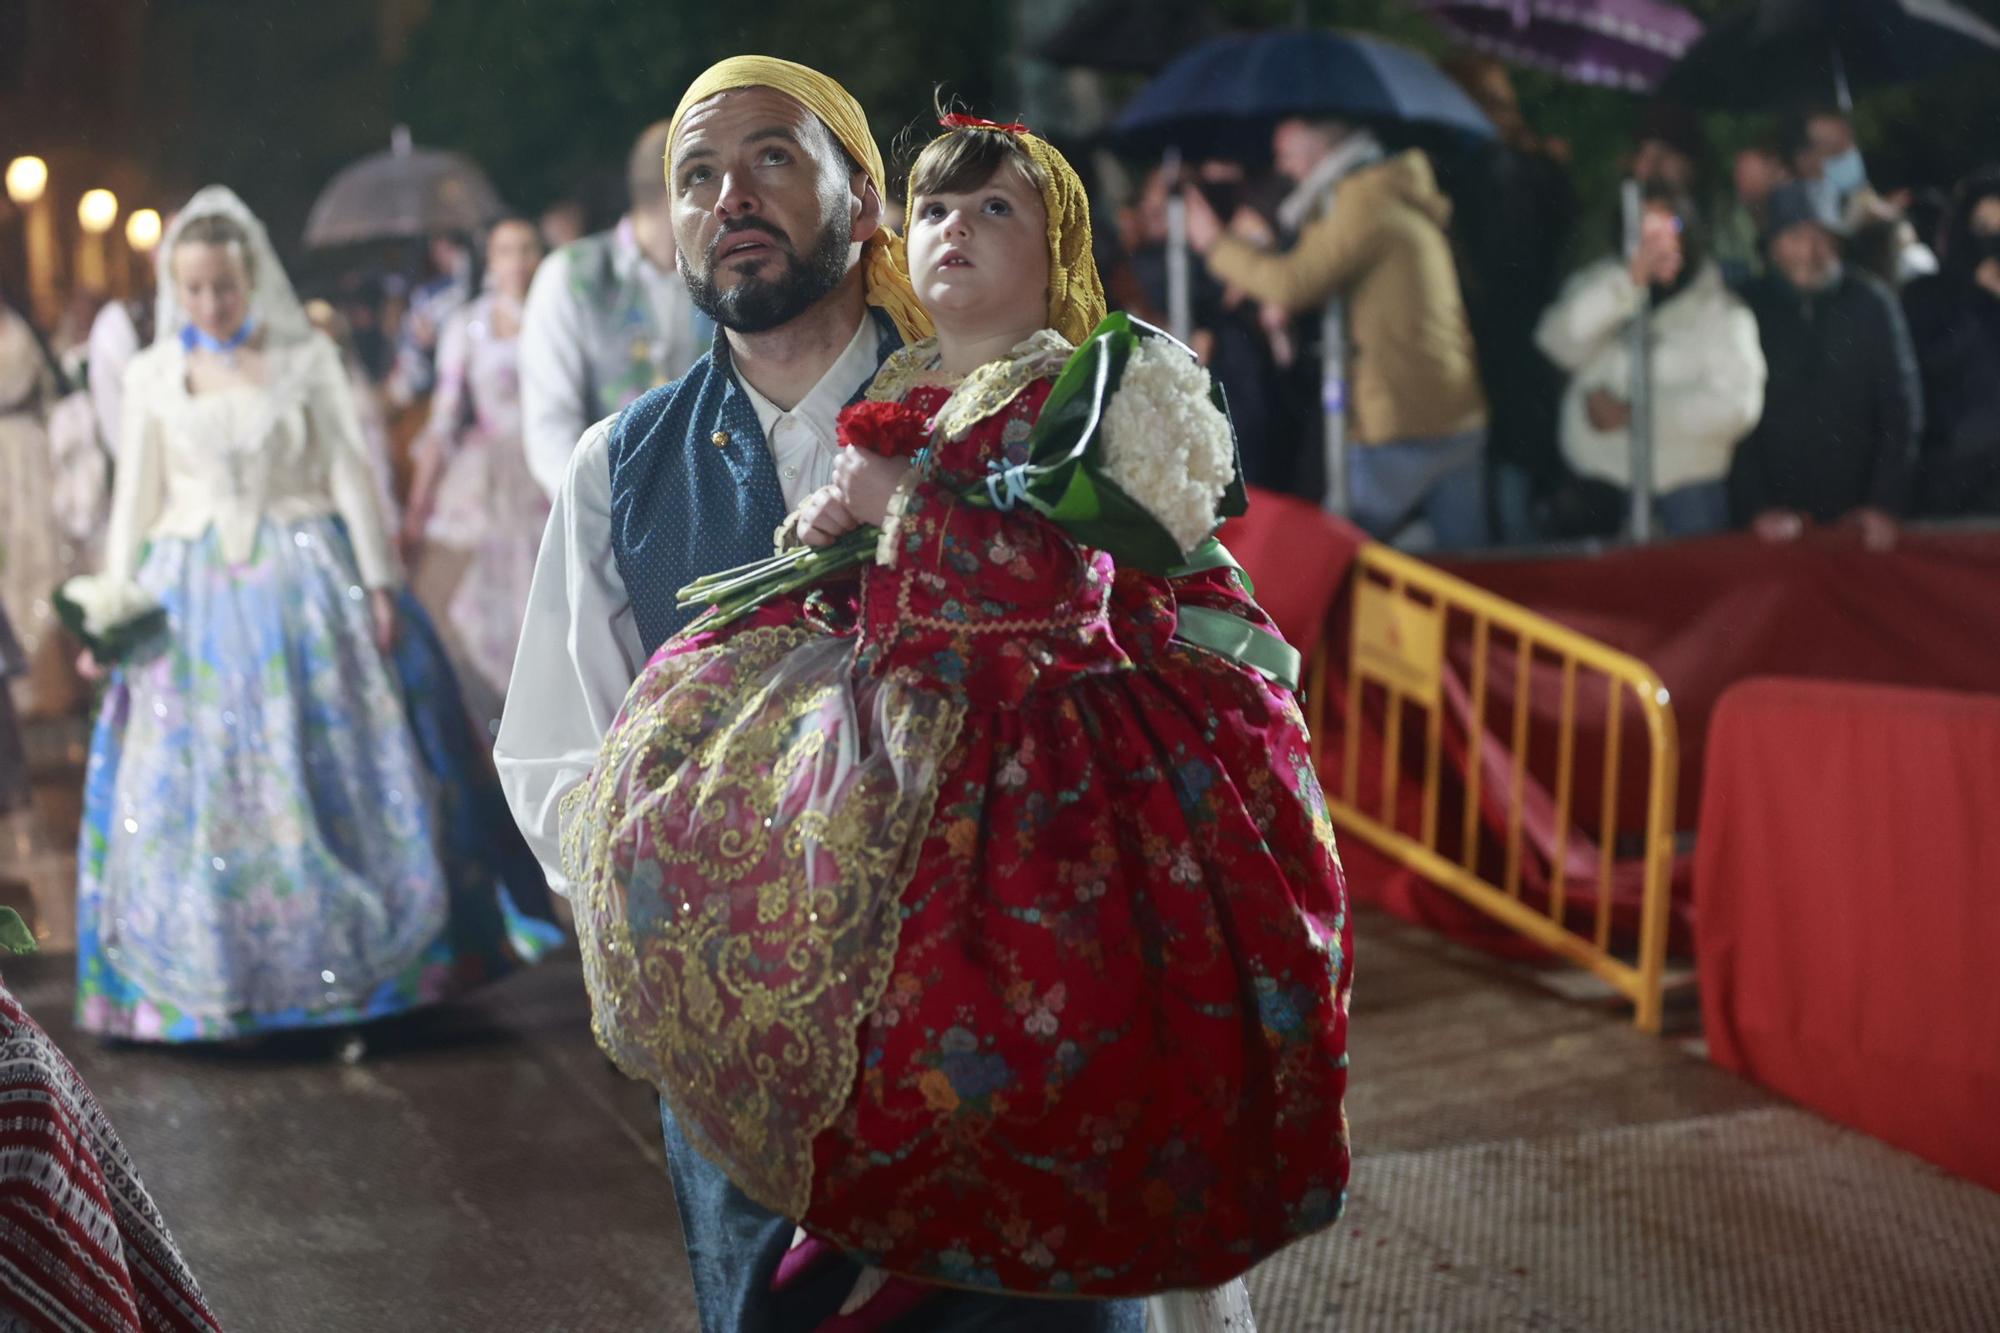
(82, 1249)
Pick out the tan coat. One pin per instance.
(1411, 369)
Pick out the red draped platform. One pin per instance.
(1707, 614)
(1849, 834)
(1848, 888)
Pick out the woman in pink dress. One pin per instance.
(475, 511)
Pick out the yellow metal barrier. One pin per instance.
(1404, 614)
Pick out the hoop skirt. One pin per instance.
(281, 828)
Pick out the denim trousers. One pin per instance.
(1441, 480)
(734, 1245)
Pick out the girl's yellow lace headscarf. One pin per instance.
(885, 271)
(1076, 294)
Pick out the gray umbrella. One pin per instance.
(404, 192)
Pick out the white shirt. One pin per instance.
(580, 648)
(584, 354)
(802, 441)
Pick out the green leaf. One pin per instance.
(15, 937)
(1122, 526)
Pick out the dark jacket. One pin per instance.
(1957, 334)
(1956, 325)
(1842, 404)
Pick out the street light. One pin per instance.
(27, 177)
(95, 213)
(142, 230)
(27, 186)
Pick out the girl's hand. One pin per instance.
(825, 518)
(89, 667)
(382, 608)
(866, 482)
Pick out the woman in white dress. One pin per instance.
(288, 821)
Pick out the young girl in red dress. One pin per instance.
(963, 911)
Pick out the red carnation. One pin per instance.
(890, 430)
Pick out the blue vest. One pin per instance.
(693, 487)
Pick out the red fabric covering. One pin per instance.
(1298, 555)
(1844, 884)
(1706, 614)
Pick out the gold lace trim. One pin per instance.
(980, 394)
(750, 1032)
(1089, 612)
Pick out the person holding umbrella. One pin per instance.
(1371, 233)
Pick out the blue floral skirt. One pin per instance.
(282, 828)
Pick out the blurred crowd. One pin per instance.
(1820, 347)
(474, 363)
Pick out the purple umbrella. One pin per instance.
(1627, 44)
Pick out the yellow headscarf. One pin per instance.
(885, 271)
(1076, 294)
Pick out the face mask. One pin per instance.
(1846, 173)
(1985, 246)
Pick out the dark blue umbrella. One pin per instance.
(1222, 98)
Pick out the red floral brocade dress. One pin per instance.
(968, 916)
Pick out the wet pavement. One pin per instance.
(1523, 1161)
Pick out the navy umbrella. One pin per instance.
(1222, 98)
(1810, 52)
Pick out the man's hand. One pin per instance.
(1204, 228)
(1607, 411)
(1778, 526)
(1248, 225)
(825, 518)
(1276, 321)
(1878, 528)
(865, 482)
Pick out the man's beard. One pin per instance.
(758, 304)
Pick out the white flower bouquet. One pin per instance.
(113, 616)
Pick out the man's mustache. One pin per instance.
(738, 227)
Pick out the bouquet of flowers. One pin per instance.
(1133, 454)
(113, 616)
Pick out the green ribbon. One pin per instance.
(1240, 641)
(15, 937)
(1212, 554)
